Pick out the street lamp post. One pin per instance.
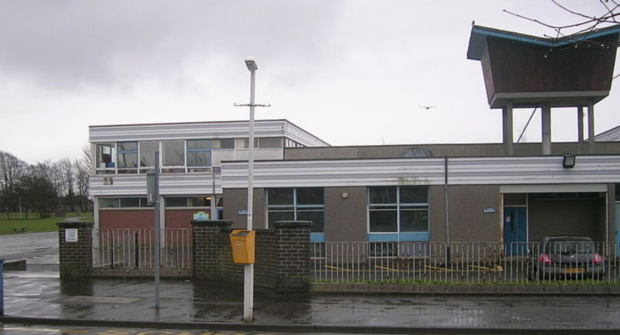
(248, 295)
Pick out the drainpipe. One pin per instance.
(447, 212)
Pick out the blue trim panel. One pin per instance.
(404, 237)
(317, 237)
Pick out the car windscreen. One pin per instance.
(570, 247)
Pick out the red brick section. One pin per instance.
(76, 258)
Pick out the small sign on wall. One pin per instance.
(201, 216)
(71, 235)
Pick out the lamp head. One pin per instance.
(569, 161)
(251, 64)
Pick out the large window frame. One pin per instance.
(297, 204)
(398, 210)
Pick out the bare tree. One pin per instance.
(585, 23)
(12, 171)
(83, 168)
(68, 179)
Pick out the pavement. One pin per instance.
(39, 296)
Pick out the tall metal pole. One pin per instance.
(448, 256)
(248, 297)
(157, 224)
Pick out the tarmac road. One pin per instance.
(38, 296)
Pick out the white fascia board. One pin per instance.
(424, 171)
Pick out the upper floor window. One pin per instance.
(173, 153)
(397, 209)
(176, 156)
(105, 155)
(198, 153)
(127, 157)
(147, 153)
(224, 143)
(262, 142)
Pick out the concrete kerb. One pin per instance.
(464, 290)
(295, 328)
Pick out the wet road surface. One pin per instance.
(39, 293)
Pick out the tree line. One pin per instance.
(44, 187)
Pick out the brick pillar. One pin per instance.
(293, 256)
(75, 244)
(211, 249)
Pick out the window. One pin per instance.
(198, 153)
(127, 157)
(173, 156)
(105, 155)
(123, 203)
(297, 204)
(227, 143)
(275, 142)
(147, 153)
(398, 209)
(262, 142)
(202, 201)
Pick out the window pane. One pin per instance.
(130, 202)
(128, 160)
(382, 195)
(108, 203)
(199, 158)
(414, 219)
(204, 201)
(283, 215)
(242, 142)
(310, 196)
(226, 143)
(270, 142)
(198, 144)
(414, 194)
(127, 156)
(147, 153)
(173, 153)
(105, 155)
(280, 196)
(383, 221)
(317, 218)
(176, 202)
(128, 146)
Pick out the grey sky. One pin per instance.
(352, 72)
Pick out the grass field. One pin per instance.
(18, 225)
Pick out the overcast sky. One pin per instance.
(351, 72)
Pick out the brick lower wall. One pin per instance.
(282, 255)
(282, 261)
(75, 257)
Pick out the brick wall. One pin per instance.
(293, 256)
(282, 255)
(76, 258)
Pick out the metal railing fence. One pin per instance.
(467, 263)
(126, 248)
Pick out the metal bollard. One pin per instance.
(1, 287)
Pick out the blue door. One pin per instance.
(515, 230)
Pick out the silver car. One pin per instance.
(565, 257)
